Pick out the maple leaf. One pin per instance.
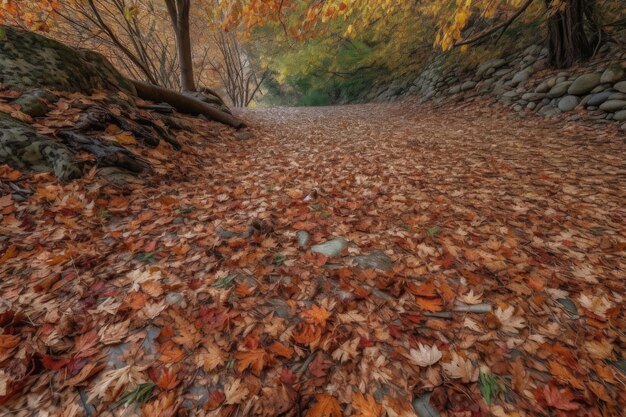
(210, 358)
(510, 323)
(234, 392)
(325, 406)
(167, 380)
(281, 350)
(113, 382)
(254, 359)
(425, 355)
(461, 368)
(365, 406)
(317, 315)
(471, 298)
(114, 333)
(560, 399)
(85, 345)
(165, 405)
(346, 351)
(188, 335)
(309, 335)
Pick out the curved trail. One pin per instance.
(523, 218)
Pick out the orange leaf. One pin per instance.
(430, 304)
(281, 350)
(560, 399)
(304, 226)
(325, 406)
(317, 315)
(254, 359)
(309, 335)
(365, 406)
(167, 380)
(424, 290)
(170, 353)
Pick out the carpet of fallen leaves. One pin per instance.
(186, 292)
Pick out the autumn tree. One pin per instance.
(179, 11)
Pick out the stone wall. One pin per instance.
(522, 81)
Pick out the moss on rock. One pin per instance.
(29, 60)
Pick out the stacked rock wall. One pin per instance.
(523, 82)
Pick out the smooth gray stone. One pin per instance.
(620, 86)
(568, 103)
(584, 84)
(303, 237)
(376, 259)
(620, 116)
(330, 248)
(613, 105)
(559, 90)
(612, 74)
(599, 98)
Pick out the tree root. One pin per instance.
(106, 153)
(185, 103)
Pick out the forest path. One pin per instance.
(499, 247)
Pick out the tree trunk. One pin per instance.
(179, 14)
(567, 38)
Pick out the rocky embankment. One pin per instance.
(523, 81)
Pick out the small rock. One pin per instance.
(468, 85)
(617, 96)
(613, 105)
(531, 105)
(559, 90)
(520, 77)
(612, 74)
(599, 98)
(243, 135)
(620, 116)
(376, 259)
(492, 64)
(533, 96)
(454, 89)
(543, 87)
(303, 237)
(330, 248)
(584, 84)
(568, 103)
(174, 298)
(621, 86)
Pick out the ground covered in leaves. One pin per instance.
(476, 267)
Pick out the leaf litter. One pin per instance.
(185, 292)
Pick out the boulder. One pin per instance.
(29, 61)
(568, 103)
(613, 105)
(560, 89)
(584, 84)
(612, 74)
